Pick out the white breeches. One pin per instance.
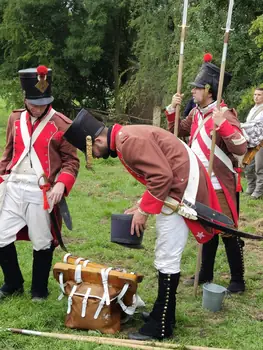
(172, 234)
(23, 205)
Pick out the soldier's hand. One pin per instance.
(138, 223)
(56, 193)
(177, 100)
(218, 117)
(131, 210)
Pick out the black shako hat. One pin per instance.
(36, 84)
(120, 231)
(83, 125)
(208, 78)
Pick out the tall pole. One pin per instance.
(181, 63)
(219, 99)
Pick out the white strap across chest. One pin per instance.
(218, 152)
(208, 142)
(29, 146)
(193, 179)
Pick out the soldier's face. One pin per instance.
(36, 111)
(198, 94)
(100, 147)
(201, 97)
(258, 97)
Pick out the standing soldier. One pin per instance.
(229, 142)
(37, 169)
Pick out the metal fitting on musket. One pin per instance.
(89, 153)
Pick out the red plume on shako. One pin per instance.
(208, 57)
(42, 70)
(42, 84)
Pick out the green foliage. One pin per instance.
(156, 48)
(84, 42)
(109, 54)
(257, 31)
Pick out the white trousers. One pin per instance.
(23, 205)
(172, 234)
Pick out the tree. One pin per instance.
(75, 39)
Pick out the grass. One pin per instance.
(94, 198)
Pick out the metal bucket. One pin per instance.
(213, 296)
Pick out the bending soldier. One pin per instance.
(170, 171)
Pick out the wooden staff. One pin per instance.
(219, 99)
(181, 63)
(135, 344)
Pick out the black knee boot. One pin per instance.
(206, 273)
(234, 250)
(13, 279)
(208, 260)
(42, 262)
(162, 318)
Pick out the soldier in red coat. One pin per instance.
(37, 169)
(225, 176)
(171, 173)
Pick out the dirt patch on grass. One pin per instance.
(258, 224)
(69, 240)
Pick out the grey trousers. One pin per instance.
(254, 175)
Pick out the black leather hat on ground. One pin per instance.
(36, 84)
(120, 231)
(208, 77)
(83, 125)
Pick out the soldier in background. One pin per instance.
(254, 171)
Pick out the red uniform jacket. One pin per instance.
(160, 161)
(229, 139)
(58, 157)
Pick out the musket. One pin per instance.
(219, 99)
(181, 63)
(116, 342)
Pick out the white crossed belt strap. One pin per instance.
(191, 189)
(26, 139)
(218, 152)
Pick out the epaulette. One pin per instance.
(122, 136)
(18, 110)
(63, 117)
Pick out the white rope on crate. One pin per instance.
(85, 263)
(78, 260)
(84, 302)
(73, 290)
(65, 258)
(104, 277)
(77, 275)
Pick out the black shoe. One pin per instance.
(140, 336)
(36, 296)
(236, 287)
(6, 291)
